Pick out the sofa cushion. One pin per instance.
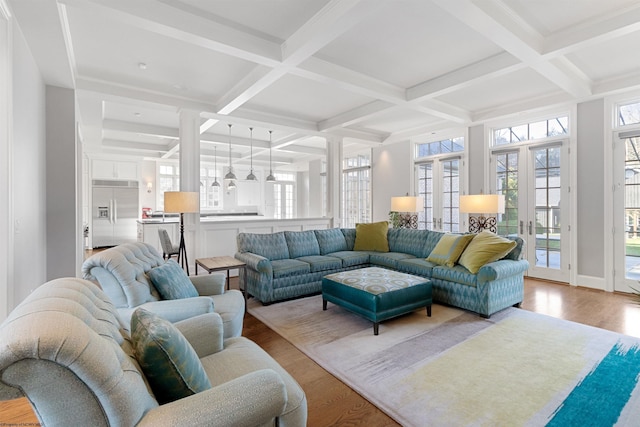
(349, 236)
(171, 281)
(351, 258)
(289, 267)
(387, 259)
(372, 237)
(457, 274)
(331, 240)
(271, 246)
(516, 253)
(302, 243)
(416, 266)
(321, 262)
(485, 247)
(407, 241)
(170, 364)
(449, 249)
(432, 239)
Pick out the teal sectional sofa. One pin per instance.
(291, 264)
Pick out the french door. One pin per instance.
(534, 180)
(626, 199)
(439, 185)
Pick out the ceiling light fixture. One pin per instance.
(230, 175)
(231, 186)
(251, 176)
(270, 178)
(215, 167)
(142, 65)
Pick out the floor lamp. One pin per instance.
(182, 202)
(482, 204)
(406, 208)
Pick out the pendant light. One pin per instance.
(230, 175)
(270, 178)
(251, 176)
(232, 185)
(215, 167)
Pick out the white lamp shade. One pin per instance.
(482, 204)
(407, 204)
(181, 201)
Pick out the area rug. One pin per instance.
(517, 368)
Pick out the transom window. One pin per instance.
(452, 145)
(531, 131)
(628, 114)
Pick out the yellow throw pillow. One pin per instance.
(449, 248)
(485, 247)
(372, 237)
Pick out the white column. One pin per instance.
(334, 179)
(190, 178)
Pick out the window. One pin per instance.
(453, 145)
(532, 131)
(629, 114)
(284, 195)
(356, 195)
(211, 198)
(168, 180)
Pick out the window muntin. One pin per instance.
(531, 131)
(445, 146)
(356, 194)
(168, 180)
(211, 198)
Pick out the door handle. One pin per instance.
(530, 228)
(439, 223)
(111, 211)
(521, 227)
(115, 211)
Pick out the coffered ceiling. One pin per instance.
(368, 71)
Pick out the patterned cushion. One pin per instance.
(321, 263)
(417, 266)
(372, 237)
(171, 281)
(301, 243)
(387, 259)
(271, 246)
(433, 237)
(457, 274)
(407, 241)
(167, 359)
(289, 267)
(485, 247)
(349, 236)
(351, 258)
(449, 249)
(331, 240)
(518, 251)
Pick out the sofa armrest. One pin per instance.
(501, 269)
(256, 262)
(263, 391)
(205, 333)
(175, 310)
(211, 284)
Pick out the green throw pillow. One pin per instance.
(372, 237)
(485, 247)
(449, 248)
(171, 281)
(170, 364)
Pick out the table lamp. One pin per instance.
(182, 202)
(407, 208)
(482, 204)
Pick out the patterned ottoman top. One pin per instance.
(376, 280)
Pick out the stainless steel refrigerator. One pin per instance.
(114, 212)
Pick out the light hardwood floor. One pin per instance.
(332, 403)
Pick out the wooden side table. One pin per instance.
(221, 263)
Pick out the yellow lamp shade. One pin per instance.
(407, 204)
(181, 201)
(482, 204)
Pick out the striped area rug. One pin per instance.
(456, 369)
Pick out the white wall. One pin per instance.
(29, 171)
(392, 175)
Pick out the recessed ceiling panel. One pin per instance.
(119, 53)
(512, 88)
(140, 115)
(395, 120)
(610, 59)
(408, 42)
(300, 98)
(278, 19)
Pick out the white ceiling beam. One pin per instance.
(249, 86)
(187, 27)
(355, 115)
(498, 24)
(153, 130)
(135, 146)
(407, 134)
(174, 147)
(532, 104)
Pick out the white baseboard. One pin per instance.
(592, 282)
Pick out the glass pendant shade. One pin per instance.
(270, 177)
(251, 176)
(215, 167)
(230, 175)
(232, 185)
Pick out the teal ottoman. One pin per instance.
(376, 294)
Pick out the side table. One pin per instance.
(221, 263)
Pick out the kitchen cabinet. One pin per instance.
(114, 169)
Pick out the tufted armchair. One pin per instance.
(65, 348)
(122, 273)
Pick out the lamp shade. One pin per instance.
(482, 204)
(407, 204)
(181, 201)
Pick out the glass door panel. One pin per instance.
(439, 185)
